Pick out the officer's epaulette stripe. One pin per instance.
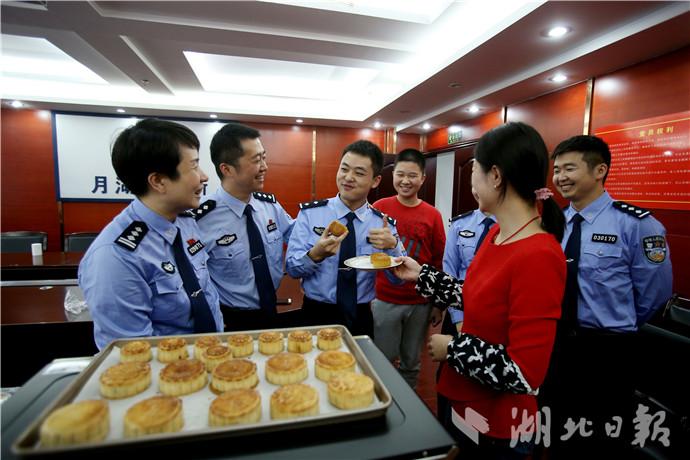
(132, 235)
(460, 216)
(631, 209)
(187, 213)
(313, 204)
(380, 214)
(262, 196)
(205, 208)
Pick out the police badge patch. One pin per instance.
(319, 230)
(168, 267)
(654, 248)
(466, 233)
(226, 240)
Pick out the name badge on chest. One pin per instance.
(271, 225)
(194, 246)
(604, 238)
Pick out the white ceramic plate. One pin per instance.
(364, 263)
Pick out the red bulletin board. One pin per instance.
(650, 161)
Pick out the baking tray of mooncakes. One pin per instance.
(196, 405)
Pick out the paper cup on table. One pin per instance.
(36, 249)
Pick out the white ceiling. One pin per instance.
(342, 63)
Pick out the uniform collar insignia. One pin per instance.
(466, 233)
(226, 240)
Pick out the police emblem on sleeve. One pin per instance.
(168, 267)
(319, 230)
(466, 233)
(226, 240)
(654, 248)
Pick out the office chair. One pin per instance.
(21, 241)
(79, 241)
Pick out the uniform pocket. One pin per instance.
(168, 285)
(602, 258)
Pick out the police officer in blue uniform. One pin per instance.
(334, 292)
(466, 233)
(619, 275)
(244, 230)
(146, 274)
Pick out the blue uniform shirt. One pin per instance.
(319, 280)
(461, 244)
(134, 289)
(624, 272)
(224, 231)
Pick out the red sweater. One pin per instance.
(512, 296)
(421, 231)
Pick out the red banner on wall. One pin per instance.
(650, 161)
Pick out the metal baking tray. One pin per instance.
(86, 383)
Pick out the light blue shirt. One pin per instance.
(224, 231)
(461, 244)
(624, 272)
(319, 280)
(134, 288)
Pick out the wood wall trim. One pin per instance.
(588, 107)
(313, 164)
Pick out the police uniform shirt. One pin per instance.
(624, 273)
(461, 244)
(131, 282)
(319, 280)
(224, 231)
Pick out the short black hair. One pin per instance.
(150, 146)
(226, 145)
(367, 149)
(593, 149)
(412, 155)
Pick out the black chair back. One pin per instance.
(21, 241)
(79, 242)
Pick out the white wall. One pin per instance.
(445, 165)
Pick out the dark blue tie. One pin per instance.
(346, 293)
(572, 287)
(487, 223)
(262, 275)
(203, 319)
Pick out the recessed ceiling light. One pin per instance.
(454, 129)
(17, 104)
(557, 32)
(473, 109)
(44, 114)
(377, 124)
(299, 120)
(558, 78)
(120, 110)
(426, 126)
(213, 115)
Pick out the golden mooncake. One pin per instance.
(182, 377)
(172, 349)
(300, 342)
(285, 368)
(125, 379)
(295, 400)
(235, 407)
(76, 423)
(215, 355)
(333, 362)
(271, 342)
(202, 343)
(329, 339)
(137, 350)
(158, 414)
(241, 345)
(348, 390)
(234, 374)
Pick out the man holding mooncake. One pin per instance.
(318, 247)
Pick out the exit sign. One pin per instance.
(454, 137)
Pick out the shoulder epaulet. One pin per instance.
(631, 209)
(460, 216)
(187, 213)
(380, 214)
(313, 204)
(205, 208)
(268, 197)
(132, 236)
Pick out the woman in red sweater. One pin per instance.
(511, 297)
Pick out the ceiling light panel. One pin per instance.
(267, 77)
(398, 10)
(37, 59)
